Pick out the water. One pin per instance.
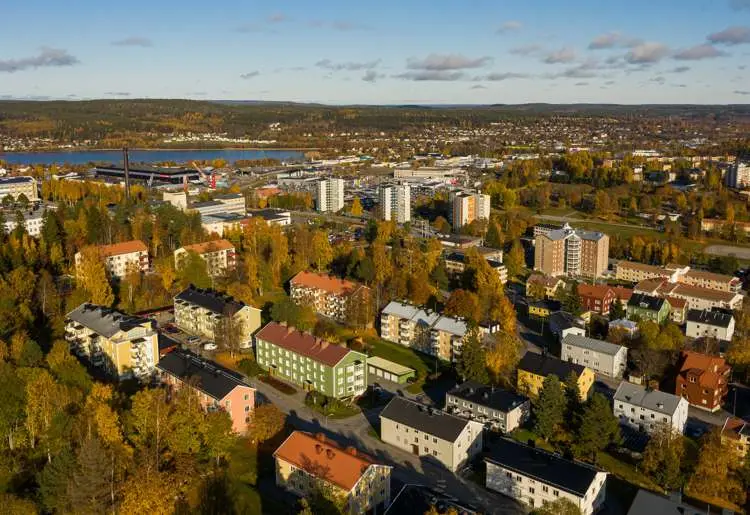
(144, 156)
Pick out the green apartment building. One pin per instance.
(645, 307)
(312, 363)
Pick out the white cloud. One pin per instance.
(564, 55)
(647, 53)
(699, 52)
(250, 75)
(134, 41)
(442, 62)
(731, 36)
(47, 57)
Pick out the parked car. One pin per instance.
(210, 346)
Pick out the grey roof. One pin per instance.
(592, 344)
(703, 316)
(571, 476)
(210, 378)
(561, 320)
(211, 300)
(207, 203)
(271, 214)
(483, 395)
(15, 180)
(104, 321)
(424, 418)
(646, 502)
(407, 311)
(643, 301)
(228, 196)
(654, 400)
(451, 325)
(566, 232)
(543, 365)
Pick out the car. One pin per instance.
(210, 346)
(171, 329)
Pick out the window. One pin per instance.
(556, 493)
(247, 409)
(531, 490)
(426, 437)
(434, 453)
(518, 479)
(545, 488)
(509, 474)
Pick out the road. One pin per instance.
(407, 467)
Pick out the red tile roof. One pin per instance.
(210, 246)
(676, 303)
(596, 291)
(125, 247)
(622, 293)
(709, 369)
(324, 282)
(301, 343)
(324, 459)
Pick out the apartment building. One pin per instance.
(219, 256)
(17, 186)
(395, 203)
(738, 175)
(178, 198)
(736, 432)
(534, 368)
(305, 463)
(600, 356)
(230, 203)
(220, 223)
(676, 274)
(596, 297)
(121, 258)
(718, 324)
(428, 432)
(33, 221)
(538, 283)
(571, 252)
(712, 281)
(534, 477)
(495, 408)
(698, 297)
(123, 346)
(467, 207)
(211, 314)
(646, 409)
(328, 295)
(329, 195)
(646, 502)
(646, 307)
(703, 380)
(635, 272)
(310, 362)
(218, 388)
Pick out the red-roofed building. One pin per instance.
(310, 362)
(121, 258)
(736, 432)
(596, 297)
(219, 256)
(305, 463)
(703, 380)
(678, 310)
(330, 296)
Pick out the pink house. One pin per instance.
(219, 387)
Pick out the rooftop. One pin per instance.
(649, 285)
(592, 344)
(646, 502)
(451, 325)
(643, 267)
(209, 246)
(545, 280)
(708, 369)
(125, 247)
(390, 366)
(598, 291)
(542, 365)
(207, 376)
(704, 316)
(424, 418)
(16, 180)
(551, 469)
(654, 400)
(416, 499)
(710, 276)
(495, 398)
(211, 300)
(324, 459)
(104, 321)
(303, 344)
(328, 283)
(643, 301)
(699, 292)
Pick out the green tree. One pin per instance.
(550, 408)
(54, 482)
(472, 364)
(268, 421)
(598, 428)
(717, 471)
(573, 402)
(12, 406)
(193, 269)
(617, 310)
(662, 459)
(561, 506)
(515, 260)
(494, 237)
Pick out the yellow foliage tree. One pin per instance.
(502, 357)
(92, 276)
(356, 209)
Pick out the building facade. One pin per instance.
(736, 432)
(219, 256)
(738, 175)
(703, 380)
(123, 346)
(467, 207)
(218, 388)
(596, 297)
(535, 477)
(33, 221)
(329, 296)
(305, 463)
(121, 258)
(495, 408)
(329, 195)
(534, 368)
(647, 410)
(646, 307)
(395, 203)
(428, 432)
(602, 357)
(571, 252)
(310, 362)
(716, 324)
(214, 315)
(17, 186)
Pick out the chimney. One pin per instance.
(320, 437)
(318, 448)
(352, 451)
(329, 454)
(323, 344)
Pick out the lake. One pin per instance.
(145, 156)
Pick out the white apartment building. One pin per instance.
(738, 176)
(467, 207)
(219, 256)
(121, 258)
(33, 221)
(534, 477)
(646, 410)
(20, 185)
(178, 198)
(600, 356)
(124, 346)
(395, 203)
(710, 324)
(231, 203)
(329, 195)
(428, 432)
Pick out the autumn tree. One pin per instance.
(229, 332)
(92, 276)
(321, 252)
(662, 459)
(356, 209)
(561, 506)
(267, 422)
(617, 310)
(502, 356)
(550, 408)
(472, 363)
(193, 269)
(464, 304)
(515, 260)
(716, 473)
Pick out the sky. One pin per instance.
(383, 52)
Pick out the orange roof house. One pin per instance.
(125, 247)
(703, 380)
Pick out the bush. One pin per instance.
(250, 367)
(279, 385)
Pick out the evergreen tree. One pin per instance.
(472, 365)
(550, 408)
(54, 482)
(617, 310)
(494, 238)
(573, 402)
(90, 488)
(598, 428)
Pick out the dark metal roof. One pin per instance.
(703, 316)
(643, 301)
(209, 377)
(211, 300)
(571, 476)
(646, 502)
(424, 418)
(542, 365)
(104, 321)
(415, 499)
(483, 395)
(15, 180)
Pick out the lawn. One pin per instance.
(330, 407)
(524, 435)
(423, 364)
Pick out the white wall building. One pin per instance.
(646, 410)
(710, 324)
(600, 356)
(329, 195)
(33, 221)
(395, 203)
(121, 258)
(467, 207)
(15, 186)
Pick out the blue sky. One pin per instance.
(385, 52)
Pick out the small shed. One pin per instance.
(382, 368)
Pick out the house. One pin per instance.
(718, 324)
(646, 502)
(428, 432)
(534, 368)
(120, 258)
(496, 408)
(310, 362)
(379, 367)
(542, 309)
(214, 315)
(542, 286)
(646, 307)
(563, 323)
(124, 346)
(219, 256)
(219, 388)
(645, 409)
(596, 297)
(305, 463)
(602, 357)
(736, 432)
(328, 295)
(703, 380)
(677, 310)
(33, 220)
(534, 477)
(629, 327)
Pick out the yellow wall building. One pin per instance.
(534, 368)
